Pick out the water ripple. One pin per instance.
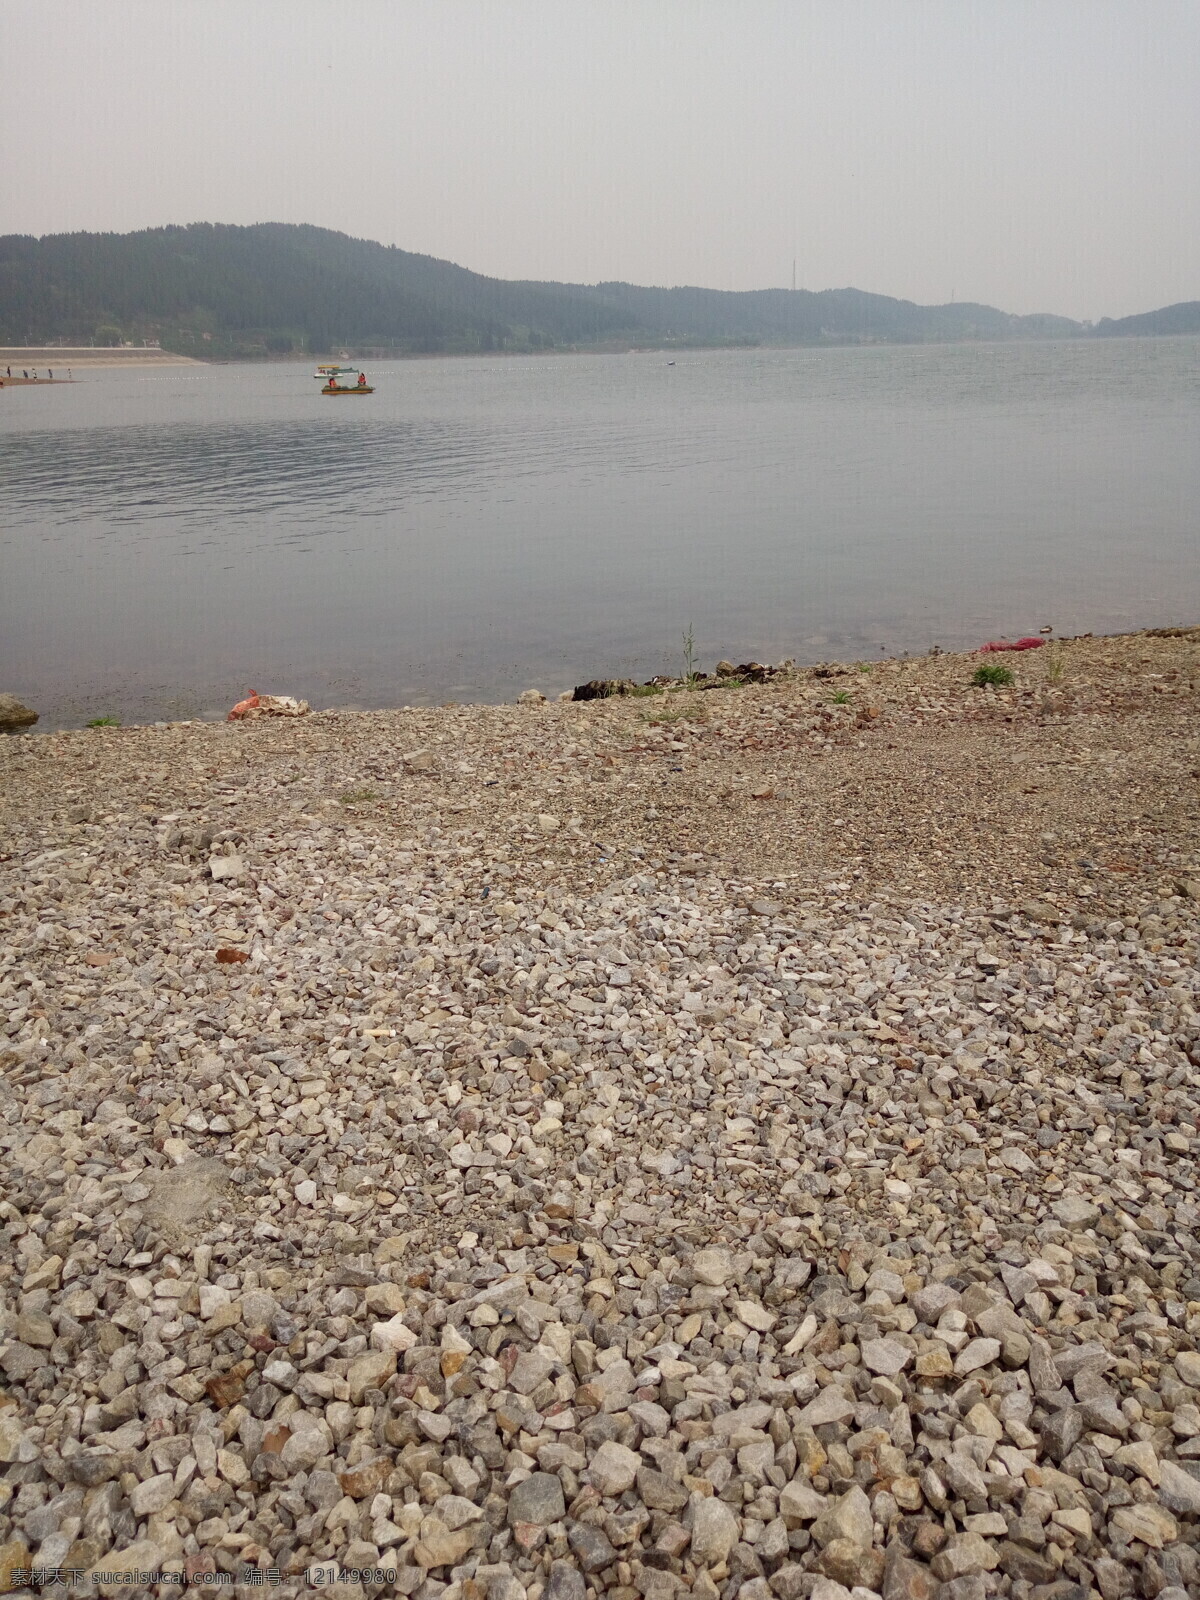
(498, 523)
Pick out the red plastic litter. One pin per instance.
(244, 707)
(1021, 644)
(257, 705)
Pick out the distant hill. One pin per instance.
(1183, 318)
(214, 290)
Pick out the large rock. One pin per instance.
(532, 1368)
(979, 1353)
(14, 1557)
(1151, 1524)
(566, 1582)
(1179, 1491)
(14, 715)
(828, 1589)
(713, 1267)
(714, 1531)
(369, 1371)
(905, 1579)
(538, 1499)
(310, 1440)
(590, 1546)
(799, 1502)
(833, 1404)
(1062, 1432)
(850, 1564)
(14, 1446)
(614, 1468)
(930, 1302)
(849, 1518)
(1075, 1212)
(885, 1356)
(659, 1492)
(964, 1554)
(394, 1335)
(118, 1569)
(440, 1546)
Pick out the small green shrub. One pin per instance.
(840, 697)
(356, 797)
(105, 722)
(641, 690)
(992, 672)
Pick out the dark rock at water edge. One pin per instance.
(14, 716)
(603, 688)
(725, 674)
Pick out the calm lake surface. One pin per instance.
(172, 537)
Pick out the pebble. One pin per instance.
(668, 1231)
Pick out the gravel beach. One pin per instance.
(729, 1143)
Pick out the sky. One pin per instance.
(1037, 155)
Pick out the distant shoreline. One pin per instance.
(88, 356)
(44, 355)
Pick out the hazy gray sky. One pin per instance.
(1039, 155)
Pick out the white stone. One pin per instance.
(394, 1334)
(713, 1267)
(613, 1468)
(714, 1531)
(755, 1316)
(886, 1356)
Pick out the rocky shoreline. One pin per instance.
(734, 1143)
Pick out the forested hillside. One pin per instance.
(212, 290)
(1181, 318)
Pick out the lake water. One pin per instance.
(172, 537)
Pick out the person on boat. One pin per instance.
(362, 380)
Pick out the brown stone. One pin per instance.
(905, 1579)
(528, 1535)
(225, 1389)
(928, 1539)
(367, 1478)
(846, 1562)
(14, 1558)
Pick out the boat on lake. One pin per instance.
(359, 387)
(330, 371)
